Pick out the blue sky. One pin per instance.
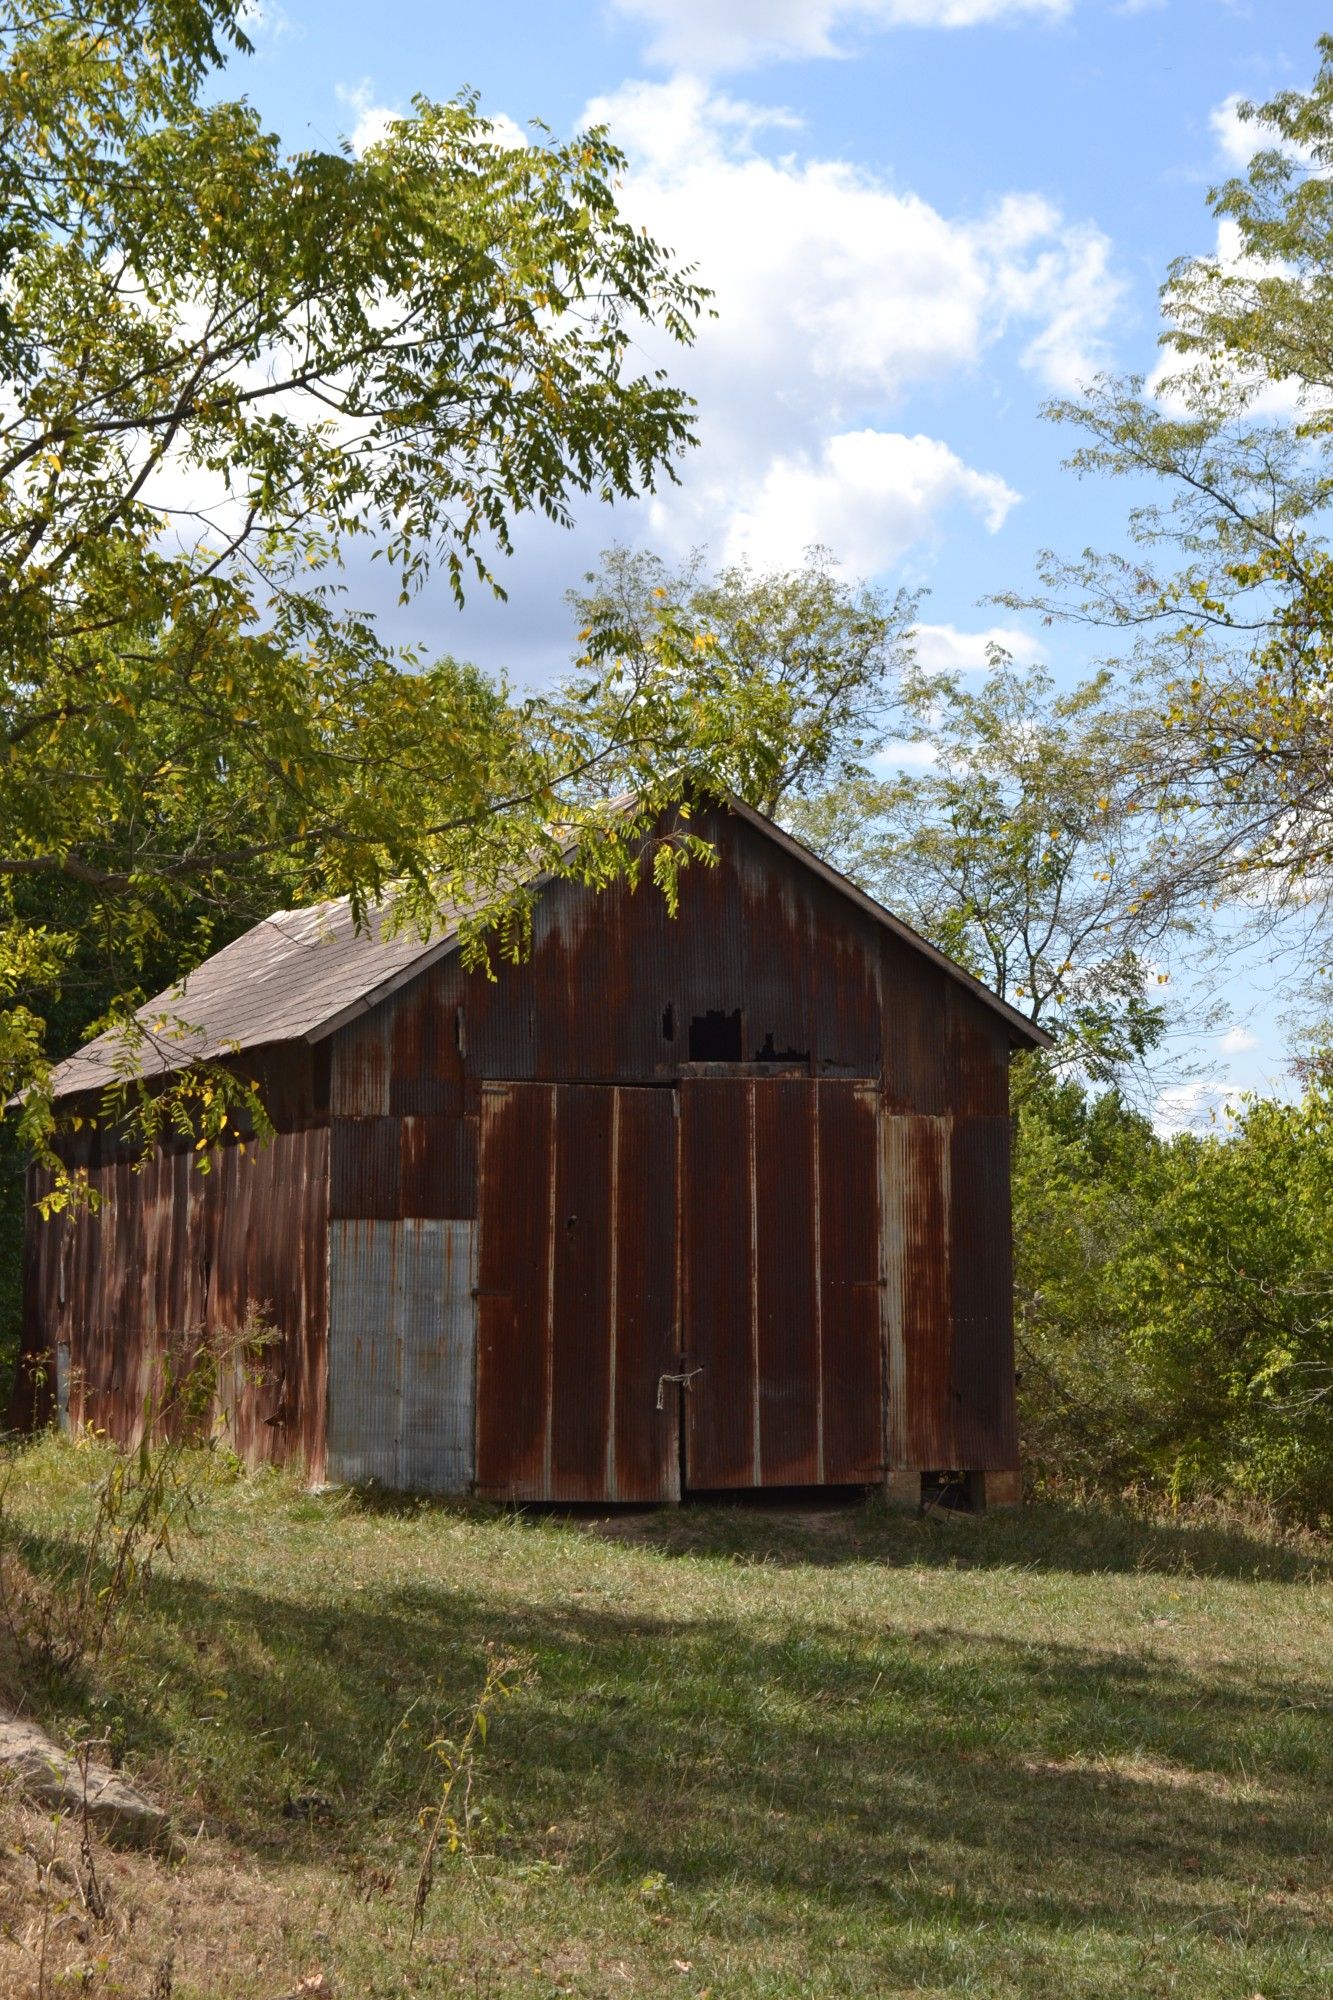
(919, 217)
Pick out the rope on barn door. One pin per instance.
(684, 1380)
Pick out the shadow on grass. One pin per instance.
(856, 1763)
(798, 1526)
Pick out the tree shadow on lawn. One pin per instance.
(874, 1770)
(805, 1526)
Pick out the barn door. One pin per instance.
(780, 1282)
(576, 1295)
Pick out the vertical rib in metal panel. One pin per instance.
(359, 1072)
(577, 1294)
(401, 1354)
(851, 1391)
(983, 1370)
(718, 1290)
(917, 1251)
(788, 1373)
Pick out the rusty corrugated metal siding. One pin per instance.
(781, 1285)
(820, 1220)
(576, 1294)
(170, 1254)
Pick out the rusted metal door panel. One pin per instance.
(643, 1451)
(983, 1381)
(917, 1185)
(852, 1429)
(784, 1186)
(513, 1286)
(947, 1255)
(582, 1276)
(401, 1354)
(576, 1306)
(780, 1262)
(717, 1259)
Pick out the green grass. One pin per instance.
(749, 1752)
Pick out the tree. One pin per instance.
(1174, 1299)
(1020, 849)
(225, 370)
(810, 660)
(1227, 595)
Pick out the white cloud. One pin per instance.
(373, 120)
(1195, 1107)
(868, 495)
(1239, 139)
(729, 34)
(1238, 1041)
(1236, 141)
(841, 276)
(1170, 380)
(263, 22)
(904, 754)
(943, 649)
(836, 293)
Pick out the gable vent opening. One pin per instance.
(716, 1037)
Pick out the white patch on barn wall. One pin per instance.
(402, 1354)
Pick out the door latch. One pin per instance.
(684, 1380)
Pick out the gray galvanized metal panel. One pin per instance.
(402, 1354)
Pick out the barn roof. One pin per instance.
(300, 974)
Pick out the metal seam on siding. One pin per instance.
(612, 1314)
(893, 1196)
(548, 1445)
(756, 1462)
(818, 1284)
(679, 1308)
(950, 1251)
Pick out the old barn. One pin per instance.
(677, 1204)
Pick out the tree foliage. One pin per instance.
(1019, 847)
(227, 372)
(1227, 592)
(810, 660)
(1174, 1298)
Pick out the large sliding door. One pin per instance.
(576, 1294)
(678, 1289)
(781, 1297)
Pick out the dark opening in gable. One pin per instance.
(716, 1037)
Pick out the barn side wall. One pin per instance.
(608, 995)
(166, 1256)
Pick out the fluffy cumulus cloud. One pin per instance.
(868, 494)
(1200, 1106)
(729, 34)
(373, 119)
(836, 293)
(1239, 139)
(943, 649)
(1171, 380)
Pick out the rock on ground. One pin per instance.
(51, 1777)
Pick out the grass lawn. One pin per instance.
(749, 1752)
